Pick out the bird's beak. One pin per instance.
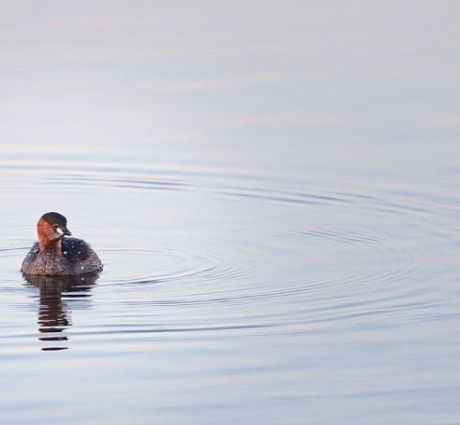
(63, 231)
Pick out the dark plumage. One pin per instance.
(55, 218)
(55, 254)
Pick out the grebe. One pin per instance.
(57, 255)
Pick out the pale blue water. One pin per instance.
(274, 190)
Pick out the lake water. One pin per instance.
(274, 189)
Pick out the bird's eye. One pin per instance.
(55, 226)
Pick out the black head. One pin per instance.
(57, 221)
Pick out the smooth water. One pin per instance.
(274, 191)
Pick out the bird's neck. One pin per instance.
(50, 245)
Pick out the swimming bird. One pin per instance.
(56, 254)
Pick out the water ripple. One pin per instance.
(283, 257)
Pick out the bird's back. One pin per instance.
(77, 257)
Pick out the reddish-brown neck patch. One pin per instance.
(46, 238)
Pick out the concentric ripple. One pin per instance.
(229, 251)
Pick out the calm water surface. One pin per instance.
(276, 205)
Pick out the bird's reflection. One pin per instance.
(56, 295)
